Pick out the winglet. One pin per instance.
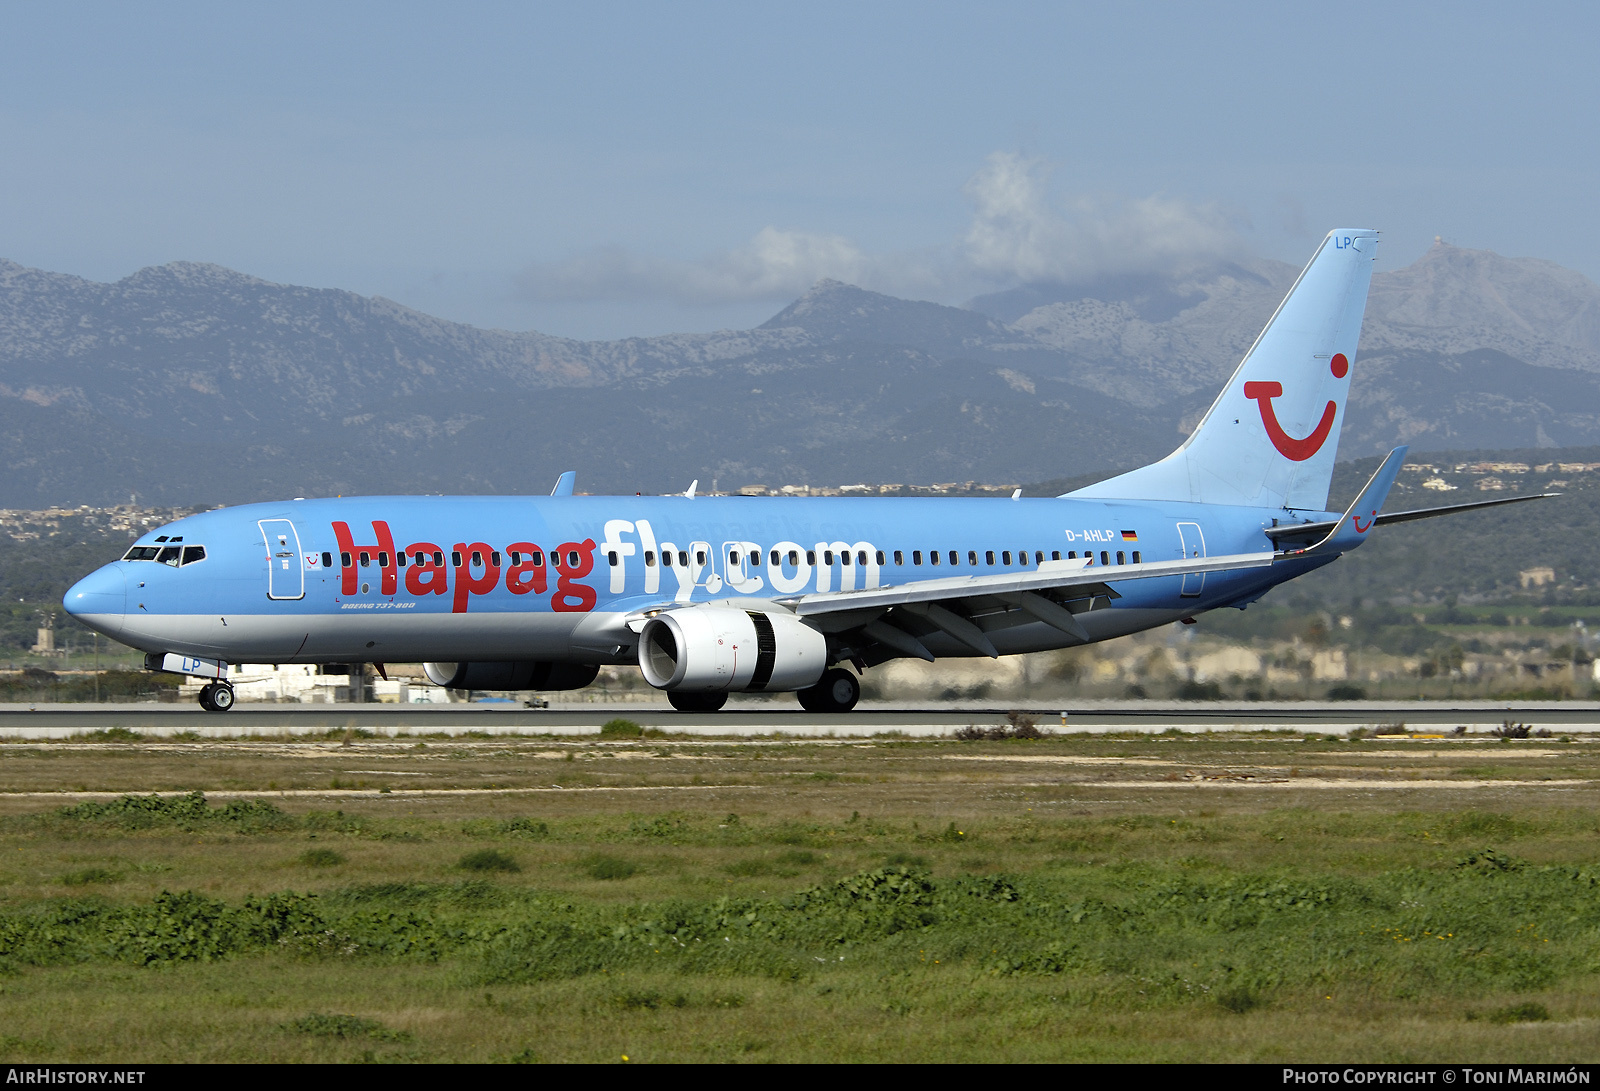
(565, 483)
(693, 485)
(1362, 515)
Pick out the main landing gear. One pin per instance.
(835, 691)
(216, 697)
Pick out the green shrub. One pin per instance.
(320, 858)
(524, 827)
(620, 729)
(344, 1026)
(487, 860)
(1530, 1012)
(89, 875)
(185, 811)
(1239, 1000)
(601, 866)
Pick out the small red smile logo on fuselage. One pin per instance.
(1296, 450)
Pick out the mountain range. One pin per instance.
(189, 383)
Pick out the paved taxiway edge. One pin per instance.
(60, 721)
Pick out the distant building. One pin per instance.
(1536, 577)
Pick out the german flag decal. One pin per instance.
(1130, 536)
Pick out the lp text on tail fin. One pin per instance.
(1270, 438)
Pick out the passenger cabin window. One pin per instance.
(192, 554)
(494, 558)
(899, 557)
(666, 557)
(972, 557)
(811, 556)
(683, 559)
(438, 558)
(933, 556)
(366, 559)
(1104, 559)
(327, 560)
(344, 560)
(649, 558)
(383, 559)
(794, 556)
(955, 558)
(400, 559)
(1072, 554)
(1136, 558)
(477, 558)
(611, 555)
(827, 556)
(1005, 556)
(699, 558)
(989, 556)
(844, 558)
(455, 558)
(538, 558)
(773, 558)
(916, 556)
(1122, 558)
(1055, 554)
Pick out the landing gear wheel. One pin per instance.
(697, 702)
(216, 697)
(837, 691)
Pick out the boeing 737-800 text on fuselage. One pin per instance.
(712, 595)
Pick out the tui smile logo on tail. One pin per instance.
(1296, 450)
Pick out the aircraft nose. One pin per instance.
(100, 599)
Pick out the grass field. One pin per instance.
(1224, 897)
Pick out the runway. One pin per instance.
(758, 719)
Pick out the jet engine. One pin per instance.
(514, 675)
(719, 648)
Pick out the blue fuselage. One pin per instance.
(404, 578)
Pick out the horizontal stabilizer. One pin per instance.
(1362, 515)
(1319, 530)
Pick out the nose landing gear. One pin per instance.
(216, 697)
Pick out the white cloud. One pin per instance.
(775, 264)
(1018, 234)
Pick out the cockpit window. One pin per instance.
(167, 554)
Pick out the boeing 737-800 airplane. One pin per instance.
(715, 595)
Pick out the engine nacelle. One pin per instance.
(513, 675)
(714, 648)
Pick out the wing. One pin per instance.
(966, 607)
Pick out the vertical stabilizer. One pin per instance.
(1270, 438)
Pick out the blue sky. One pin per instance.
(605, 170)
